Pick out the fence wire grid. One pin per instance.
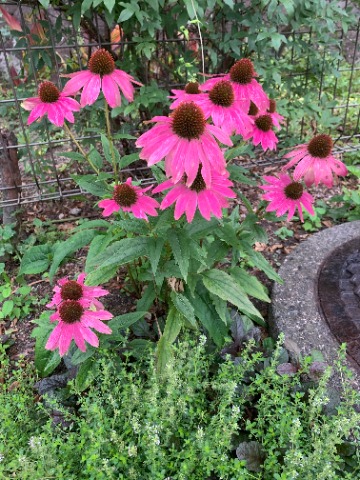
(50, 180)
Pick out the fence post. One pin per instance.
(10, 176)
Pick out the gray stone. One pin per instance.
(295, 310)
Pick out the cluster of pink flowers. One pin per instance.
(101, 75)
(202, 118)
(78, 310)
(235, 103)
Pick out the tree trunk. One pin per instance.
(9, 176)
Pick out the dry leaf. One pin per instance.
(260, 247)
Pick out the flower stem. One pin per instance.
(81, 150)
(108, 128)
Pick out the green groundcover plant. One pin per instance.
(206, 418)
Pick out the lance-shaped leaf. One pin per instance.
(250, 284)
(179, 243)
(121, 322)
(71, 245)
(36, 260)
(184, 307)
(224, 286)
(164, 350)
(156, 246)
(117, 254)
(208, 316)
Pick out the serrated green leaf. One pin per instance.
(96, 158)
(181, 251)
(126, 136)
(7, 308)
(224, 286)
(262, 264)
(156, 246)
(97, 245)
(164, 355)
(102, 275)
(221, 308)
(6, 291)
(127, 160)
(147, 298)
(250, 284)
(106, 147)
(207, 315)
(99, 189)
(237, 173)
(80, 357)
(71, 245)
(36, 260)
(173, 325)
(74, 156)
(183, 306)
(85, 375)
(121, 322)
(121, 252)
(93, 224)
(200, 227)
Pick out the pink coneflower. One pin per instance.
(53, 103)
(276, 117)
(191, 93)
(75, 321)
(208, 200)
(186, 141)
(76, 290)
(130, 198)
(262, 132)
(286, 195)
(245, 86)
(225, 111)
(101, 75)
(316, 163)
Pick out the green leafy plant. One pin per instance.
(16, 300)
(205, 417)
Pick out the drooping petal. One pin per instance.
(89, 336)
(91, 90)
(111, 91)
(77, 82)
(65, 339)
(53, 340)
(109, 206)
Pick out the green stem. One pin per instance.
(109, 134)
(81, 150)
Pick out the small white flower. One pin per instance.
(296, 422)
(1, 457)
(235, 410)
(132, 450)
(202, 340)
(22, 459)
(200, 433)
(34, 442)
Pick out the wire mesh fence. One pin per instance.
(44, 40)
